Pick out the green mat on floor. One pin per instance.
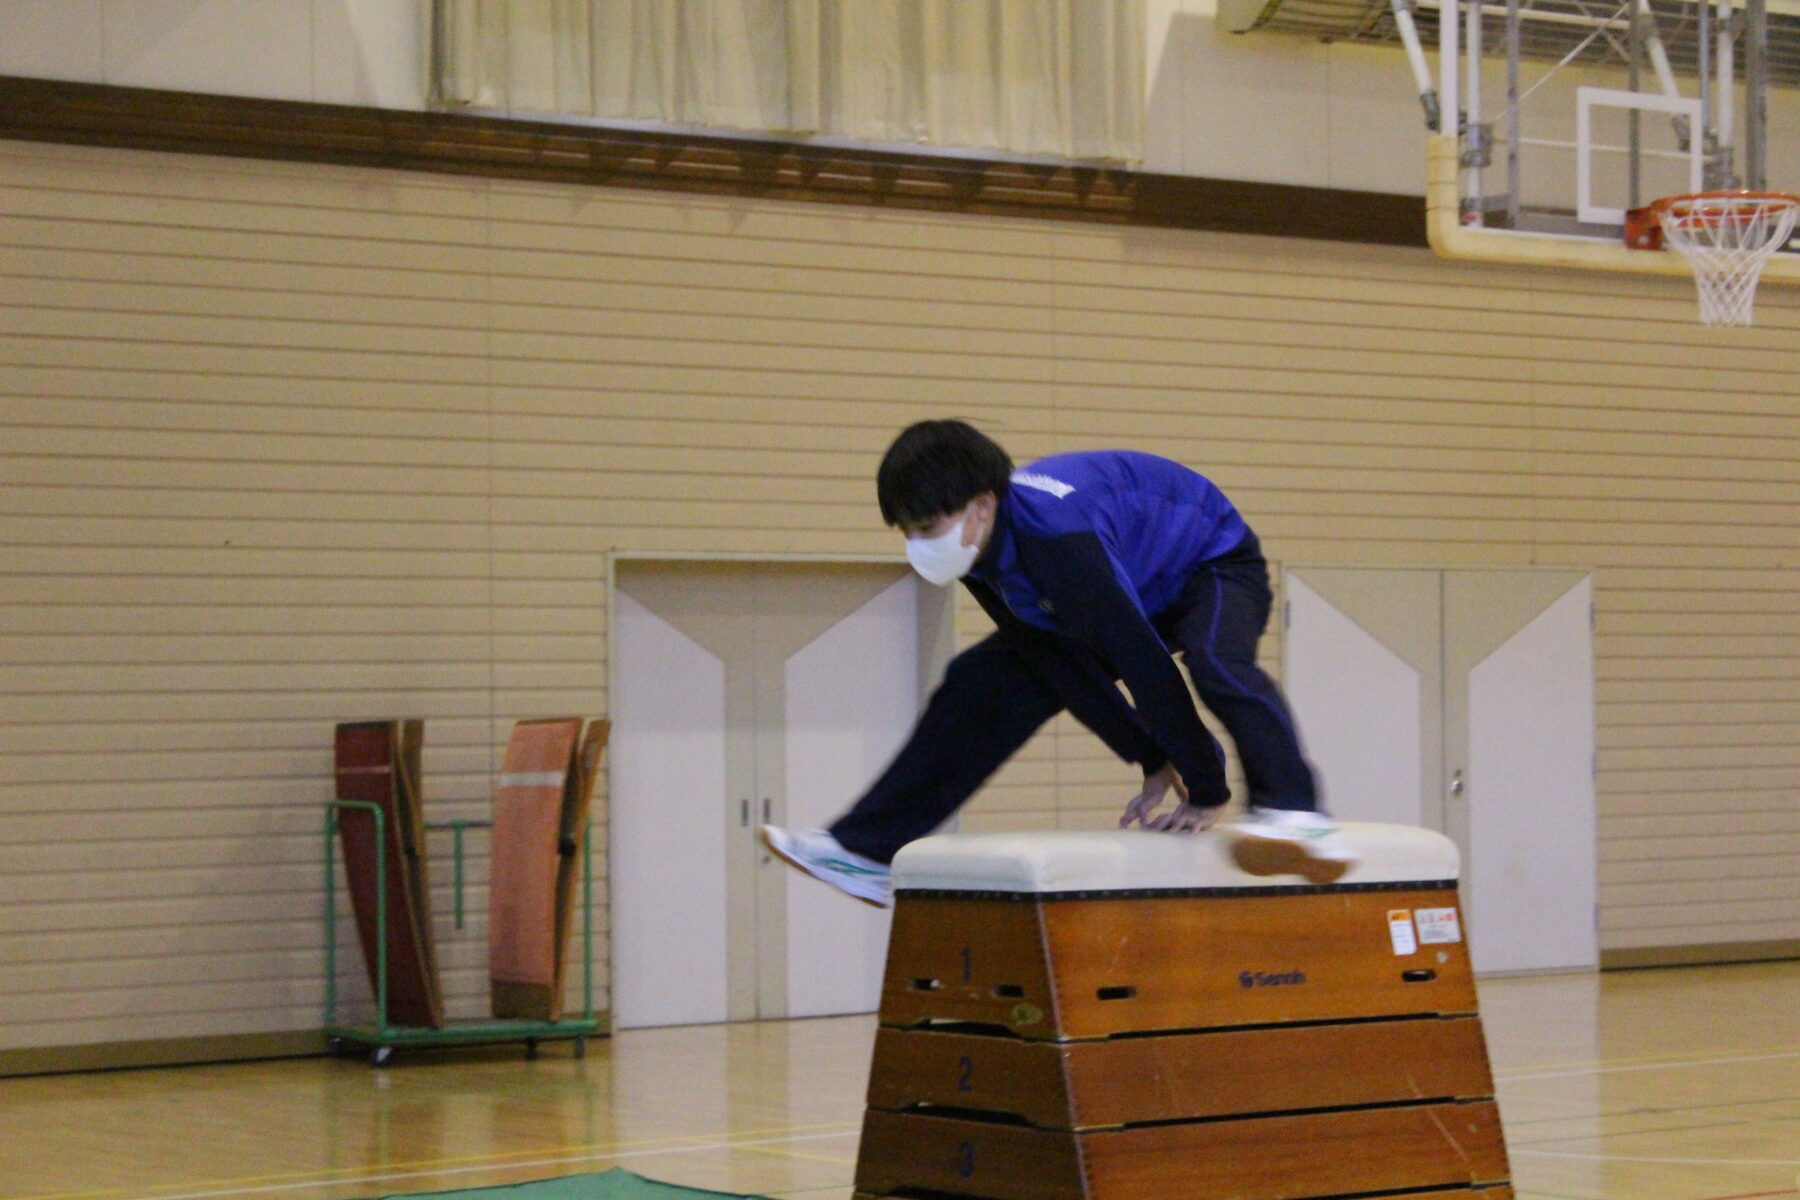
(616, 1184)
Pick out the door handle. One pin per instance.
(744, 812)
(1456, 783)
(766, 810)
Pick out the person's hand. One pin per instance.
(1187, 818)
(1157, 786)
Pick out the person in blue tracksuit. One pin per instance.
(1096, 567)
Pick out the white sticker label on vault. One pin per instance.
(1438, 925)
(1400, 928)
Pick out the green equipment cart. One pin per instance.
(380, 1038)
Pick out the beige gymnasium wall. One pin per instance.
(289, 444)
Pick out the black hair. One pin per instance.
(937, 467)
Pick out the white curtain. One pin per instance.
(1058, 78)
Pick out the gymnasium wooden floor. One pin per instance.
(1644, 1085)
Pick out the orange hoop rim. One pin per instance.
(1680, 208)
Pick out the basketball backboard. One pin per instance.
(1550, 120)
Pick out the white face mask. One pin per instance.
(942, 559)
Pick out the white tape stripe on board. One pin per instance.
(531, 779)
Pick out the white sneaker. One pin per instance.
(1279, 841)
(821, 856)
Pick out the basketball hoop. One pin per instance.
(1727, 237)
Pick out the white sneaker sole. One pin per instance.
(1263, 856)
(771, 837)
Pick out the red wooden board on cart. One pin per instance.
(369, 757)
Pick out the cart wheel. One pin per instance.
(530, 1048)
(580, 1047)
(378, 1057)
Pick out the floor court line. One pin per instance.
(1648, 1066)
(1638, 1158)
(389, 1176)
(349, 1175)
(1626, 1060)
(1657, 1110)
(329, 1175)
(772, 1153)
(1717, 1123)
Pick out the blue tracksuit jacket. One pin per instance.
(1089, 550)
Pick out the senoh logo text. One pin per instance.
(1259, 979)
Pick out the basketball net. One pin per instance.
(1727, 237)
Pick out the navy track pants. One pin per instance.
(990, 704)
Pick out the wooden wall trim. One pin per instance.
(219, 1048)
(1704, 954)
(160, 1052)
(454, 143)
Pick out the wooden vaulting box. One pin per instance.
(1110, 1016)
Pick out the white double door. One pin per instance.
(745, 693)
(1462, 701)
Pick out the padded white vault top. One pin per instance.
(1129, 860)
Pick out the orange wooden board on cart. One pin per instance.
(535, 777)
(571, 842)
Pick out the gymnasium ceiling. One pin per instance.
(1551, 29)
